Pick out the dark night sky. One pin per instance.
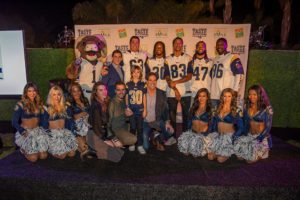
(58, 13)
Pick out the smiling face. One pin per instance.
(101, 92)
(178, 45)
(221, 47)
(117, 58)
(134, 45)
(56, 96)
(91, 51)
(75, 92)
(227, 98)
(152, 82)
(252, 96)
(201, 48)
(159, 50)
(202, 98)
(31, 93)
(120, 91)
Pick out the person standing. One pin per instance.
(178, 75)
(134, 57)
(227, 71)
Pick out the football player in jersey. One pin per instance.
(178, 75)
(227, 71)
(136, 102)
(134, 57)
(156, 64)
(201, 65)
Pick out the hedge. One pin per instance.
(277, 71)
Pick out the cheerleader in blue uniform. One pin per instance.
(227, 126)
(62, 142)
(78, 108)
(30, 137)
(195, 141)
(258, 115)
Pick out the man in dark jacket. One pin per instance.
(157, 119)
(115, 73)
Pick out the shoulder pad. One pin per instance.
(234, 57)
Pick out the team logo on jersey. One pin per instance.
(179, 32)
(122, 33)
(220, 33)
(142, 32)
(238, 49)
(105, 33)
(161, 32)
(122, 48)
(239, 32)
(199, 32)
(84, 32)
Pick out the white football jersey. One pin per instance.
(201, 75)
(132, 59)
(156, 65)
(223, 72)
(89, 74)
(178, 69)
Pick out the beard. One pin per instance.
(200, 53)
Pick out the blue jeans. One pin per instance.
(147, 130)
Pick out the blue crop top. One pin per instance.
(265, 116)
(204, 117)
(20, 113)
(237, 121)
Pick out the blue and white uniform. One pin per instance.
(227, 72)
(254, 146)
(81, 125)
(157, 65)
(132, 59)
(136, 92)
(60, 140)
(201, 74)
(177, 68)
(222, 143)
(197, 144)
(36, 140)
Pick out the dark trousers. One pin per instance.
(185, 104)
(136, 127)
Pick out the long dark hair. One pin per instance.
(196, 103)
(36, 104)
(262, 97)
(83, 99)
(197, 45)
(104, 103)
(163, 46)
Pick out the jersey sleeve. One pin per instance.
(190, 67)
(167, 70)
(236, 65)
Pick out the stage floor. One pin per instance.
(156, 175)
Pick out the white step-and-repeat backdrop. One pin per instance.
(117, 37)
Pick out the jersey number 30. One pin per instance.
(136, 97)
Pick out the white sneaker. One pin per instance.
(131, 148)
(141, 150)
(170, 141)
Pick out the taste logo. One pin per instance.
(122, 48)
(84, 32)
(238, 49)
(142, 32)
(180, 32)
(199, 32)
(122, 33)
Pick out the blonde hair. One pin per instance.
(136, 68)
(61, 108)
